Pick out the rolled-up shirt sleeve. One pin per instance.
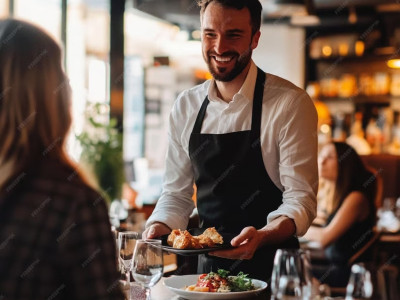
(298, 170)
(175, 204)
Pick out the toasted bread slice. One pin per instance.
(205, 241)
(174, 233)
(213, 234)
(183, 241)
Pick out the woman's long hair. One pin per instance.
(352, 175)
(34, 99)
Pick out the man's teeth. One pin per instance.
(223, 59)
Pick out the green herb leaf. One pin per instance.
(240, 283)
(223, 273)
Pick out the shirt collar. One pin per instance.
(245, 92)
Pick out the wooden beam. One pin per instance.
(117, 9)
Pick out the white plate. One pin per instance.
(176, 283)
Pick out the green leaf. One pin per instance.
(223, 273)
(240, 283)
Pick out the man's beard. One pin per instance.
(241, 63)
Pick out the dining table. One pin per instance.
(158, 292)
(161, 292)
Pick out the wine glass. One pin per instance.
(289, 288)
(126, 247)
(360, 284)
(148, 263)
(291, 271)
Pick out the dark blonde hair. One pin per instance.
(34, 99)
(254, 7)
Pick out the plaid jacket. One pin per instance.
(55, 238)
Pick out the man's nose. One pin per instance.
(221, 45)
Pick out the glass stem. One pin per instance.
(148, 296)
(128, 282)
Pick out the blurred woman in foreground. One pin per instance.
(351, 210)
(55, 238)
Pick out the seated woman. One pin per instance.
(55, 237)
(351, 210)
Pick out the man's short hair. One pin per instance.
(254, 7)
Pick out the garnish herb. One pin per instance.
(238, 283)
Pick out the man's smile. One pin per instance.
(223, 58)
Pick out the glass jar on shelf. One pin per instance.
(329, 87)
(366, 84)
(347, 86)
(397, 208)
(381, 83)
(395, 85)
(374, 136)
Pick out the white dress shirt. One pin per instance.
(288, 142)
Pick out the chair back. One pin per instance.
(387, 282)
(378, 200)
(376, 233)
(367, 247)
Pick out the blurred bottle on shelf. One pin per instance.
(366, 84)
(359, 48)
(381, 83)
(343, 49)
(324, 117)
(329, 87)
(374, 136)
(395, 85)
(394, 147)
(347, 86)
(339, 132)
(385, 122)
(356, 138)
(397, 208)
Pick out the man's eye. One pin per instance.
(233, 36)
(210, 35)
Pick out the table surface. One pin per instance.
(161, 292)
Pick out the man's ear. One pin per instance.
(255, 39)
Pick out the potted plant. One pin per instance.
(101, 144)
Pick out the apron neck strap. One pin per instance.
(257, 103)
(200, 116)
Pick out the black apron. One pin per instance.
(233, 188)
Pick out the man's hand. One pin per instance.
(250, 239)
(246, 243)
(156, 230)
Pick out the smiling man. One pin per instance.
(248, 141)
(227, 44)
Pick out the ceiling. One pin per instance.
(185, 13)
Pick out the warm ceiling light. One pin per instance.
(394, 63)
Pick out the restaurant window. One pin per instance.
(87, 61)
(86, 50)
(3, 9)
(43, 13)
(88, 47)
